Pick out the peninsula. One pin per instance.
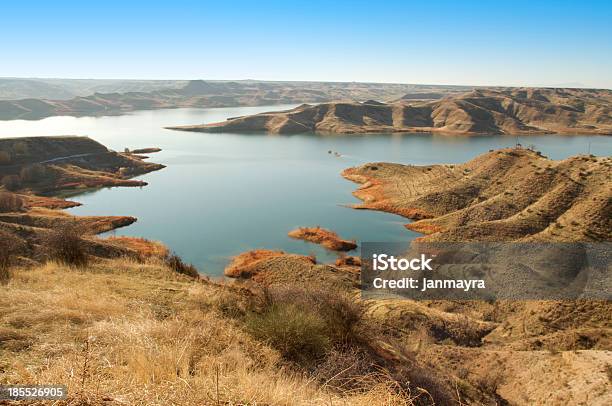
(481, 111)
(505, 195)
(36, 171)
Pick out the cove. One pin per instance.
(222, 194)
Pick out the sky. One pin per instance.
(507, 43)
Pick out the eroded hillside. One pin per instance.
(504, 195)
(35, 169)
(481, 111)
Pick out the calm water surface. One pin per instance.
(222, 194)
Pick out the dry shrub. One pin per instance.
(303, 325)
(20, 148)
(33, 173)
(9, 249)
(10, 202)
(5, 158)
(350, 370)
(341, 313)
(11, 182)
(299, 334)
(64, 244)
(177, 265)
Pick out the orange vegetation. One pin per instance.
(243, 264)
(47, 202)
(146, 248)
(372, 193)
(326, 238)
(423, 228)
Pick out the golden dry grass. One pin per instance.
(122, 332)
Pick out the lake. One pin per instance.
(222, 194)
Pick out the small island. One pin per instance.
(326, 238)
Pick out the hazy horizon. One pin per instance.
(152, 79)
(548, 44)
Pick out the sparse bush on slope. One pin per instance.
(10, 202)
(299, 334)
(306, 323)
(11, 182)
(65, 244)
(9, 249)
(33, 173)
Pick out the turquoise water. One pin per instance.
(222, 194)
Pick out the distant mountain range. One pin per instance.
(34, 99)
(65, 89)
(480, 111)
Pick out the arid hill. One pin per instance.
(115, 98)
(485, 352)
(504, 195)
(34, 169)
(54, 164)
(481, 111)
(475, 352)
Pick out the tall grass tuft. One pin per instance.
(177, 265)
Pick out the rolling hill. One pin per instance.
(480, 111)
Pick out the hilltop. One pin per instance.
(505, 195)
(480, 111)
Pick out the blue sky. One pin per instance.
(528, 43)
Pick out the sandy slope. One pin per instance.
(510, 194)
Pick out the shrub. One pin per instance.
(298, 333)
(9, 248)
(33, 173)
(5, 158)
(177, 265)
(64, 244)
(306, 324)
(351, 370)
(11, 182)
(10, 202)
(20, 148)
(341, 314)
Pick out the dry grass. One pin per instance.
(145, 248)
(123, 332)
